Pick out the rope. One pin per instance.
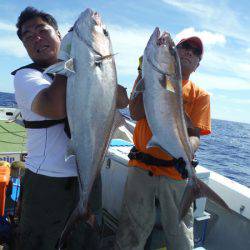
(13, 133)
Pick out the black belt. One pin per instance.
(47, 124)
(42, 124)
(179, 164)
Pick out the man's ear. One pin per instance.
(59, 34)
(197, 66)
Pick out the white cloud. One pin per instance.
(11, 45)
(7, 27)
(195, 7)
(208, 38)
(218, 97)
(240, 101)
(225, 62)
(221, 97)
(129, 43)
(9, 42)
(209, 82)
(232, 109)
(243, 67)
(221, 59)
(64, 28)
(216, 16)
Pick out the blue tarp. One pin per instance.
(120, 142)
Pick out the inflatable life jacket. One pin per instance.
(44, 123)
(4, 182)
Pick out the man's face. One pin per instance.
(189, 55)
(41, 41)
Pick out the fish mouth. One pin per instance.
(97, 18)
(161, 39)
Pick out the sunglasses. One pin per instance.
(187, 46)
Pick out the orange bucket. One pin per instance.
(4, 182)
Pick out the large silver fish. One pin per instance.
(162, 96)
(91, 102)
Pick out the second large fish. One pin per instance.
(162, 97)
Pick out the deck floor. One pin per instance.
(12, 137)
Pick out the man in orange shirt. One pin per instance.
(147, 182)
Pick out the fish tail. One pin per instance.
(78, 214)
(187, 198)
(196, 189)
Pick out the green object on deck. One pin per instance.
(12, 137)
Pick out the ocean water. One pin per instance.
(226, 151)
(7, 99)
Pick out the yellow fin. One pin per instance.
(169, 86)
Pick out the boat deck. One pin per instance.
(12, 137)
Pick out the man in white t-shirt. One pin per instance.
(50, 186)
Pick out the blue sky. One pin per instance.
(222, 25)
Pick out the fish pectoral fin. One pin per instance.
(108, 56)
(169, 86)
(70, 150)
(139, 88)
(101, 58)
(186, 201)
(167, 83)
(65, 68)
(152, 143)
(69, 65)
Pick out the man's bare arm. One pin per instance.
(51, 102)
(136, 106)
(122, 97)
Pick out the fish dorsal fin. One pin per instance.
(70, 150)
(153, 142)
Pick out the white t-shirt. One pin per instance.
(47, 147)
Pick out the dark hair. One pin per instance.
(31, 13)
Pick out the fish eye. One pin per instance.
(98, 60)
(98, 64)
(105, 32)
